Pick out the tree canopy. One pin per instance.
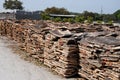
(80, 17)
(117, 14)
(55, 10)
(13, 4)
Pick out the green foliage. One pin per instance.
(87, 14)
(13, 5)
(71, 20)
(58, 19)
(117, 12)
(117, 15)
(100, 22)
(110, 22)
(65, 20)
(55, 10)
(89, 19)
(108, 17)
(79, 19)
(45, 16)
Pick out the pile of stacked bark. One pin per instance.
(27, 33)
(84, 27)
(98, 54)
(61, 54)
(100, 58)
(34, 44)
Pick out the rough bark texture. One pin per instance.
(69, 49)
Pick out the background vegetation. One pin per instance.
(13, 4)
(80, 17)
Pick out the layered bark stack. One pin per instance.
(29, 37)
(61, 55)
(100, 58)
(96, 57)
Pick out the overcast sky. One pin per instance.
(108, 6)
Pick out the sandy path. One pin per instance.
(14, 68)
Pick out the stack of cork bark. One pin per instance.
(96, 57)
(29, 36)
(61, 55)
(34, 45)
(100, 58)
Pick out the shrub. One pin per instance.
(58, 19)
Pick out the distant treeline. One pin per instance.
(80, 17)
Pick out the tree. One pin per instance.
(108, 17)
(71, 20)
(13, 5)
(89, 19)
(58, 19)
(79, 19)
(117, 15)
(54, 10)
(87, 14)
(45, 16)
